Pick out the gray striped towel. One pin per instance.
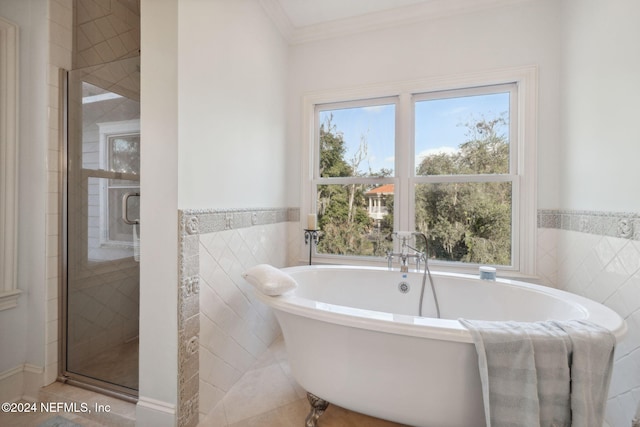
(543, 374)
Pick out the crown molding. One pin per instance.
(429, 10)
(279, 17)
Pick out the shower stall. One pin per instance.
(100, 301)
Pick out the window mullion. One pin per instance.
(404, 154)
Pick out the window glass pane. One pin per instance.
(124, 156)
(355, 219)
(357, 141)
(462, 135)
(124, 153)
(467, 222)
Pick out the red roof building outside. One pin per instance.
(377, 208)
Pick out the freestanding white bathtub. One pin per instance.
(353, 338)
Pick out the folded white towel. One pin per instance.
(551, 374)
(269, 280)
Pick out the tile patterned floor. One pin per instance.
(268, 396)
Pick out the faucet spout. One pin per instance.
(404, 254)
(404, 265)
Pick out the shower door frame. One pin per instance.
(66, 376)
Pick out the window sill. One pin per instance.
(9, 299)
(504, 272)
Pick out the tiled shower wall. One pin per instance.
(234, 328)
(597, 255)
(105, 31)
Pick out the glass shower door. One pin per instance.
(102, 211)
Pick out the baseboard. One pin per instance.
(21, 382)
(33, 382)
(152, 412)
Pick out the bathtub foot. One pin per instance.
(318, 406)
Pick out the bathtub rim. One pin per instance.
(424, 327)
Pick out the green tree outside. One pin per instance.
(342, 213)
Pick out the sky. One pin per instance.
(438, 126)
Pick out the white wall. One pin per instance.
(158, 213)
(232, 71)
(600, 108)
(22, 328)
(522, 34)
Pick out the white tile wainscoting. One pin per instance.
(597, 255)
(233, 330)
(593, 254)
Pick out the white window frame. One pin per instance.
(524, 144)
(106, 131)
(511, 176)
(317, 180)
(9, 291)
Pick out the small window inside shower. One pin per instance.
(119, 157)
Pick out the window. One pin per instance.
(456, 164)
(356, 143)
(123, 156)
(116, 159)
(465, 171)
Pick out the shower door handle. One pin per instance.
(125, 208)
